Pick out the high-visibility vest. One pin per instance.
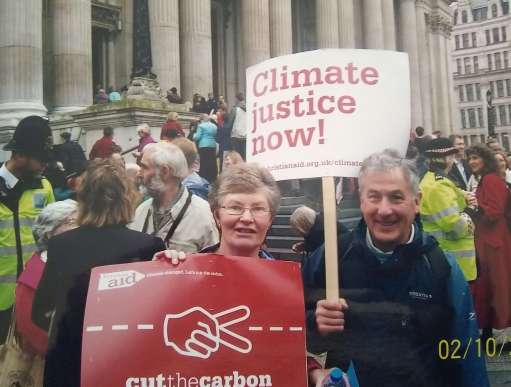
(441, 214)
(31, 203)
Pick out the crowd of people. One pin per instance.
(217, 131)
(429, 261)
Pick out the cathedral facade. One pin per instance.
(54, 54)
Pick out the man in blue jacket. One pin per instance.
(407, 317)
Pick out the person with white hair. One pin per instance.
(54, 219)
(184, 221)
(144, 134)
(171, 129)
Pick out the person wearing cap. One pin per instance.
(23, 194)
(446, 210)
(70, 154)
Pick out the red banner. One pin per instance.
(212, 321)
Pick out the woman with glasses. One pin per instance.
(244, 200)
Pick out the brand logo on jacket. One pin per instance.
(420, 295)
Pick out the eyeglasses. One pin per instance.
(239, 210)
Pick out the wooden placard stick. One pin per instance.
(330, 218)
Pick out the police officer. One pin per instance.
(23, 194)
(443, 207)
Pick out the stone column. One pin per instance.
(424, 66)
(389, 25)
(359, 21)
(439, 76)
(21, 60)
(104, 61)
(255, 23)
(124, 45)
(281, 24)
(231, 72)
(433, 47)
(346, 10)
(196, 52)
(72, 50)
(373, 24)
(111, 61)
(445, 117)
(327, 24)
(239, 49)
(164, 23)
(219, 24)
(408, 23)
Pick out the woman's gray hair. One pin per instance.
(50, 218)
(244, 178)
(386, 161)
(165, 154)
(144, 128)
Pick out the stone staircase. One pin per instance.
(281, 236)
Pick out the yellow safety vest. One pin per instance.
(31, 202)
(441, 207)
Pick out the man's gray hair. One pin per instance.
(50, 218)
(386, 161)
(165, 154)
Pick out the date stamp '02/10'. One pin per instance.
(455, 349)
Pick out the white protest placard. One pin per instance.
(320, 113)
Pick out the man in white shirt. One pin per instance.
(460, 171)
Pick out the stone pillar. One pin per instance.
(359, 21)
(196, 52)
(255, 23)
(408, 31)
(281, 24)
(124, 45)
(435, 96)
(240, 50)
(231, 72)
(445, 117)
(439, 74)
(104, 61)
(424, 66)
(346, 23)
(72, 50)
(164, 23)
(389, 25)
(327, 23)
(21, 60)
(219, 24)
(373, 24)
(111, 61)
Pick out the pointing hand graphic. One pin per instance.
(198, 333)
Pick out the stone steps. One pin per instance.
(281, 236)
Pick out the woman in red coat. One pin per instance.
(171, 129)
(493, 242)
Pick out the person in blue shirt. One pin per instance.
(406, 317)
(205, 137)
